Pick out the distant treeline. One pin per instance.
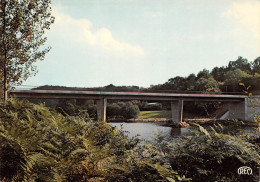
(219, 79)
(223, 79)
(110, 87)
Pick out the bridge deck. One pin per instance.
(57, 94)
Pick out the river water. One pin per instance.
(147, 130)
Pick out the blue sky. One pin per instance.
(145, 42)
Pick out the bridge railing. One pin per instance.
(147, 90)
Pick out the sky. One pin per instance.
(145, 42)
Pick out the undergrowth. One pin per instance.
(38, 144)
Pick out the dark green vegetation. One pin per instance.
(124, 110)
(22, 26)
(115, 110)
(216, 156)
(110, 87)
(219, 79)
(39, 144)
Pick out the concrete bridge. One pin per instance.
(240, 106)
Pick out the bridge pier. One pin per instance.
(253, 109)
(245, 110)
(237, 110)
(101, 109)
(177, 110)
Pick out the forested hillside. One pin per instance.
(219, 79)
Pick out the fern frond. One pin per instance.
(203, 130)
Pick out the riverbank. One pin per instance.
(209, 122)
(162, 121)
(186, 123)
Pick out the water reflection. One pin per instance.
(147, 130)
(175, 132)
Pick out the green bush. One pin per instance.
(113, 110)
(70, 108)
(212, 156)
(38, 144)
(121, 110)
(129, 110)
(124, 110)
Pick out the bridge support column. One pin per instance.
(237, 110)
(177, 110)
(253, 109)
(248, 110)
(101, 109)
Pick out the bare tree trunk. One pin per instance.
(5, 79)
(3, 3)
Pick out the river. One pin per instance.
(147, 130)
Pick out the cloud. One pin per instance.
(81, 30)
(105, 38)
(246, 13)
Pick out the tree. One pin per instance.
(255, 84)
(218, 73)
(207, 85)
(233, 78)
(203, 74)
(256, 65)
(177, 83)
(22, 27)
(241, 63)
(123, 110)
(190, 81)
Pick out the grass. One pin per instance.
(155, 114)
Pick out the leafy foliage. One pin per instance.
(125, 110)
(22, 26)
(256, 65)
(120, 110)
(225, 78)
(233, 78)
(38, 144)
(212, 156)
